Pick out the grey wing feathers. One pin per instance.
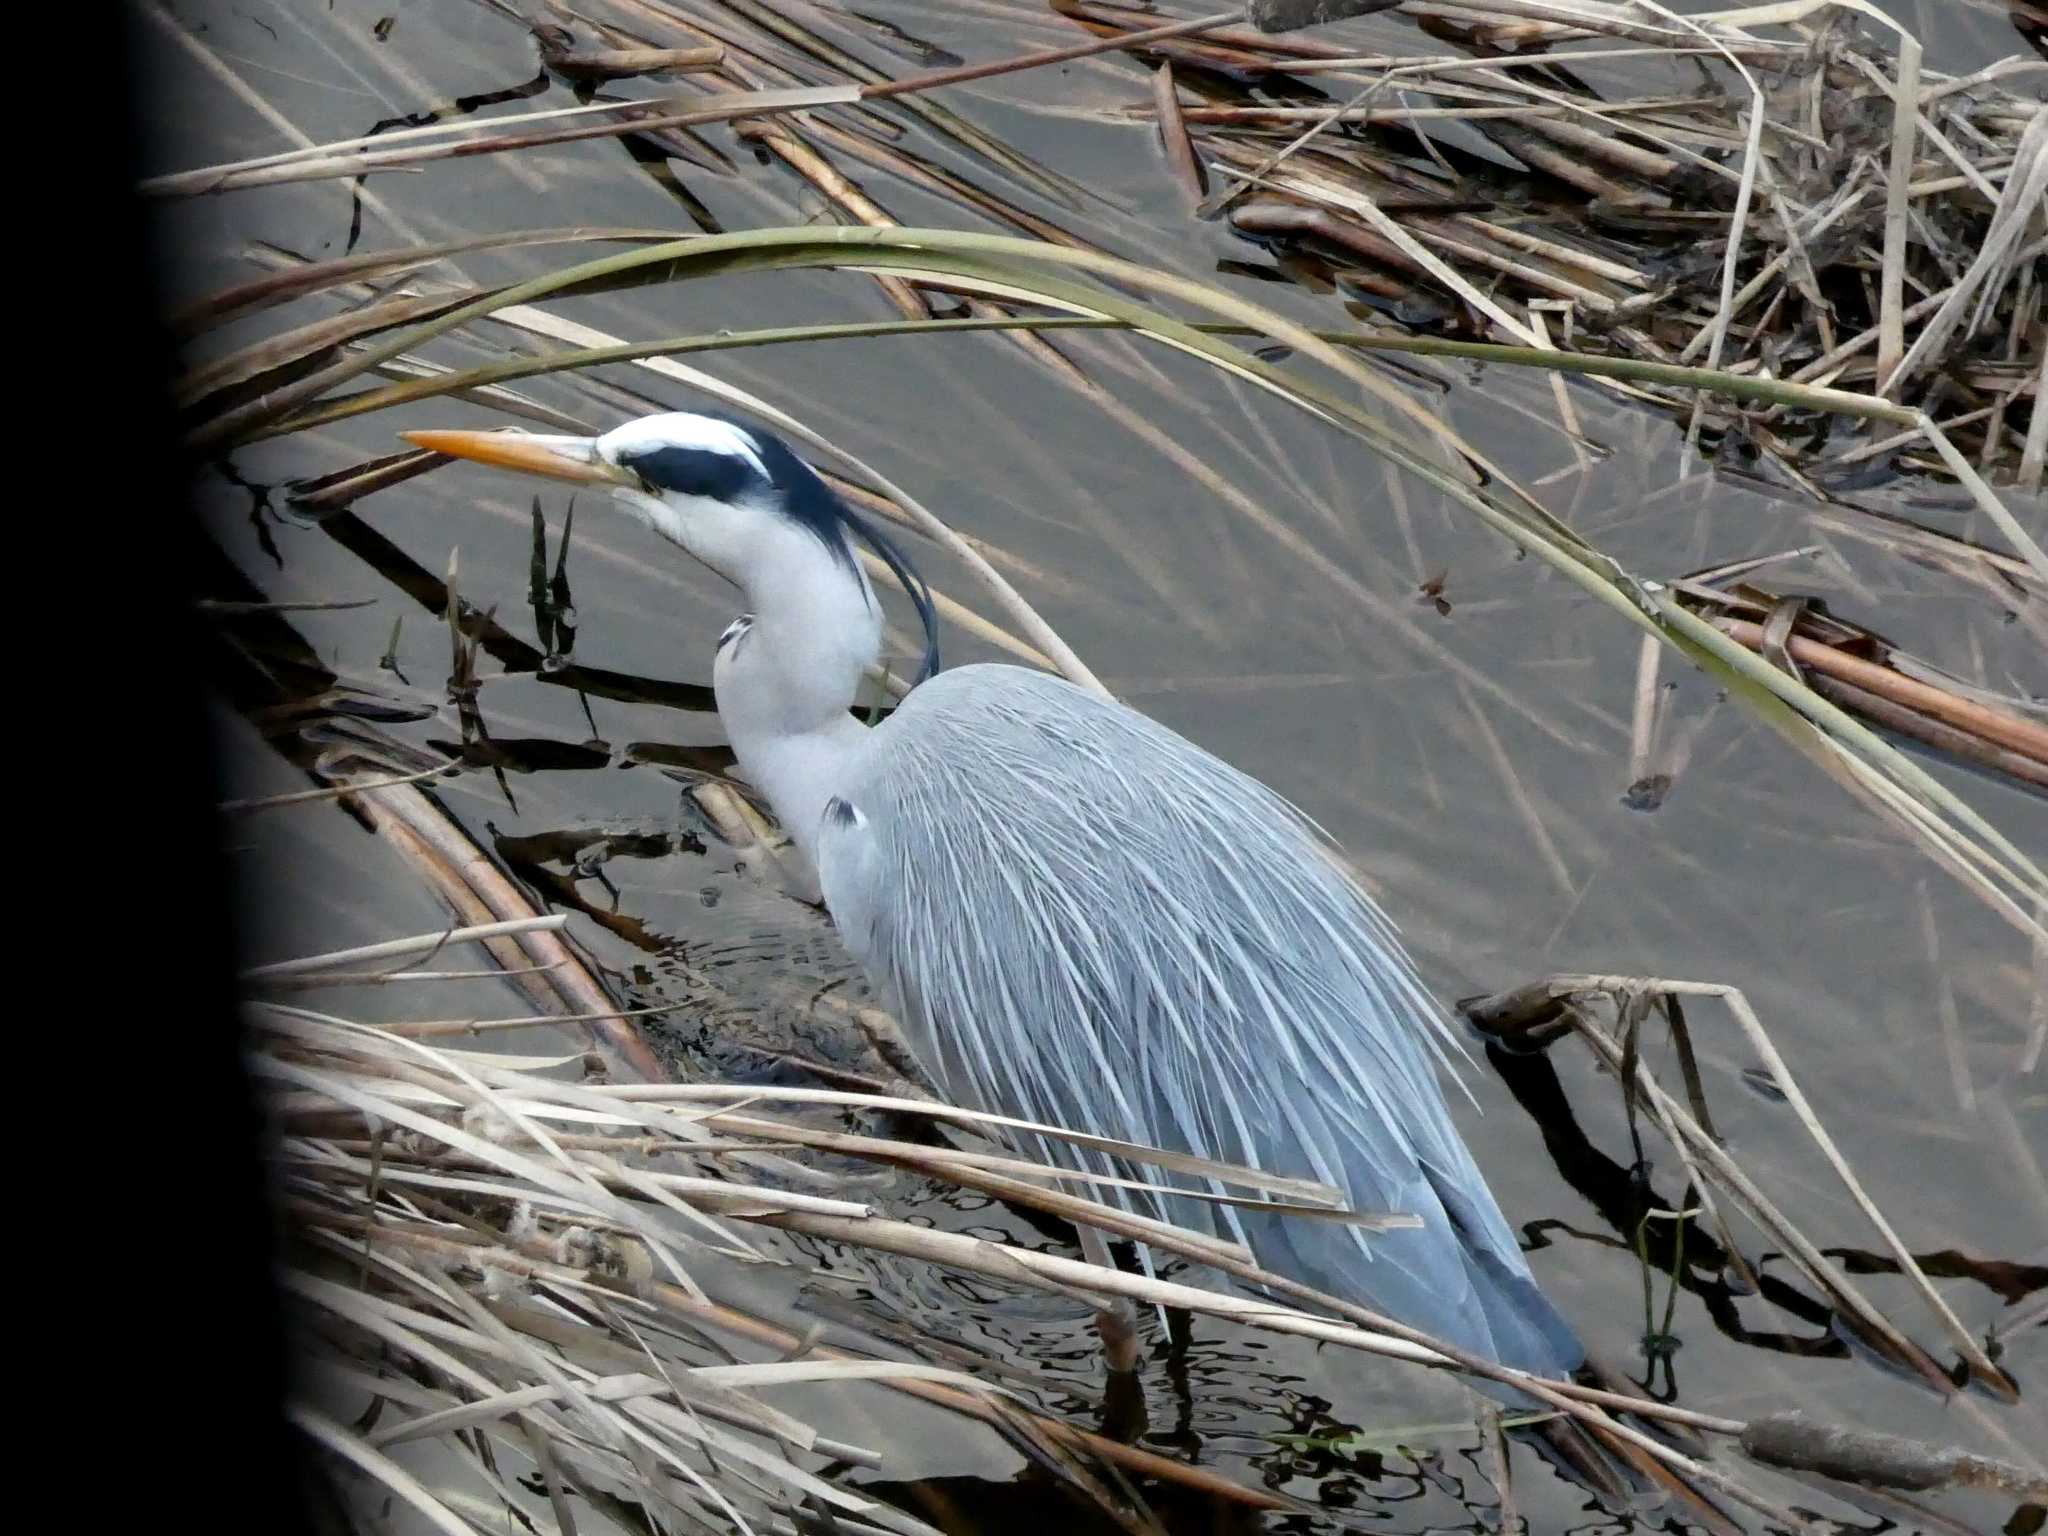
(1082, 918)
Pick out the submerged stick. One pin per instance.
(1173, 138)
(1924, 728)
(1891, 332)
(705, 109)
(1292, 15)
(1799, 1444)
(881, 91)
(2009, 731)
(534, 1260)
(397, 949)
(568, 975)
(329, 792)
(620, 63)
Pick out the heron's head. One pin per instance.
(733, 496)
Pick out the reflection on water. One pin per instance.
(1457, 719)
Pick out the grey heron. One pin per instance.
(1077, 915)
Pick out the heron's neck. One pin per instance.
(786, 686)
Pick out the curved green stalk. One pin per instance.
(1019, 267)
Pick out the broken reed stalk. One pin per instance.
(1906, 721)
(385, 1137)
(1133, 31)
(398, 1164)
(246, 806)
(1795, 1442)
(539, 1262)
(2025, 738)
(1179, 149)
(403, 949)
(500, 913)
(1497, 1464)
(974, 1255)
(368, 156)
(1366, 1330)
(624, 63)
(369, 162)
(1804, 175)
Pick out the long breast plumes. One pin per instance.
(1080, 917)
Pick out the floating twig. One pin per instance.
(1801, 1444)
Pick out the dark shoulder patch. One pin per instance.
(841, 813)
(735, 632)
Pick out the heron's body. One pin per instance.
(1078, 916)
(1081, 918)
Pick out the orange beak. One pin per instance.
(559, 458)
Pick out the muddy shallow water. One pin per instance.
(1473, 762)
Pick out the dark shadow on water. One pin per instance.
(1625, 1197)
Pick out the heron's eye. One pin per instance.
(695, 472)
